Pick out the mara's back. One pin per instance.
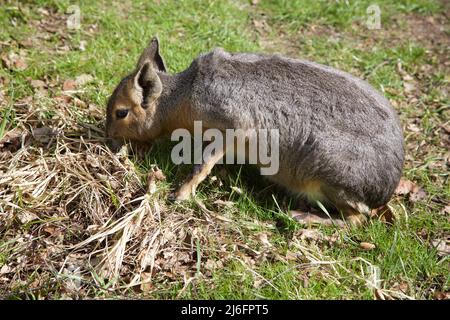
(332, 125)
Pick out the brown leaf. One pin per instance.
(367, 246)
(12, 140)
(407, 187)
(53, 231)
(264, 239)
(20, 64)
(83, 79)
(409, 87)
(291, 256)
(63, 99)
(27, 43)
(409, 83)
(404, 187)
(258, 283)
(402, 287)
(13, 61)
(439, 295)
(5, 269)
(146, 284)
(37, 84)
(413, 128)
(311, 234)
(69, 85)
(442, 246)
(446, 210)
(384, 213)
(417, 194)
(237, 190)
(159, 175)
(26, 216)
(155, 174)
(446, 128)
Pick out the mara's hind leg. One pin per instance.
(354, 212)
(308, 215)
(348, 212)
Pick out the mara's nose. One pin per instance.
(114, 144)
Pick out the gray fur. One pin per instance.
(333, 127)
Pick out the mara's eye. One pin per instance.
(122, 113)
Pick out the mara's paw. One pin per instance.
(356, 219)
(316, 218)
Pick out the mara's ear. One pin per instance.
(147, 82)
(151, 54)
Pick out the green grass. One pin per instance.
(189, 27)
(298, 14)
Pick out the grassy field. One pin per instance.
(77, 221)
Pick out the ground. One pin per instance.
(77, 221)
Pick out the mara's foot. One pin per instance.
(314, 217)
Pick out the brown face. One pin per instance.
(132, 112)
(125, 117)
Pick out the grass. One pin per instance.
(341, 14)
(225, 244)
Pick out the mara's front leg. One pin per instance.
(199, 173)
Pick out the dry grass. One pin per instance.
(79, 219)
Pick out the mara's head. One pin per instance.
(131, 113)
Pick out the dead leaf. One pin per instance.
(83, 79)
(383, 213)
(155, 174)
(367, 246)
(20, 64)
(159, 175)
(37, 84)
(439, 295)
(409, 83)
(258, 283)
(13, 139)
(400, 287)
(407, 187)
(53, 231)
(404, 187)
(5, 269)
(82, 46)
(291, 256)
(311, 234)
(264, 239)
(69, 85)
(417, 194)
(446, 128)
(409, 87)
(146, 284)
(237, 190)
(27, 43)
(26, 216)
(258, 24)
(442, 246)
(413, 128)
(13, 61)
(446, 210)
(44, 134)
